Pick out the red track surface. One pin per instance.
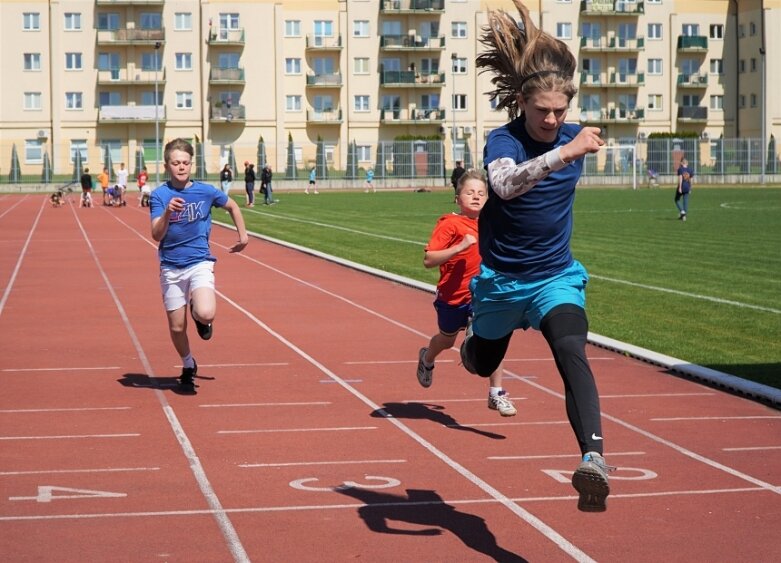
(310, 438)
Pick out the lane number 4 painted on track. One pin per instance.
(48, 493)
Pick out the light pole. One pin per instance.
(158, 44)
(453, 60)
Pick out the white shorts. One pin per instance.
(177, 283)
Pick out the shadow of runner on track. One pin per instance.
(144, 381)
(426, 508)
(431, 412)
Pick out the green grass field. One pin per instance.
(705, 291)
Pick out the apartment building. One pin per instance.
(124, 76)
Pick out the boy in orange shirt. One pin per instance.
(453, 247)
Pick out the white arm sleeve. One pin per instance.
(510, 180)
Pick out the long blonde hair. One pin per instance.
(524, 59)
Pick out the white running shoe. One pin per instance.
(502, 403)
(425, 374)
(590, 480)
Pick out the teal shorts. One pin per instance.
(503, 304)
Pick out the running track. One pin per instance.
(310, 438)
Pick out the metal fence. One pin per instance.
(721, 160)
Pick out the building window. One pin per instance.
(742, 101)
(73, 100)
(364, 153)
(109, 99)
(361, 28)
(293, 103)
(752, 28)
(184, 100)
(324, 28)
(183, 21)
(459, 65)
(459, 102)
(655, 66)
(458, 30)
(108, 21)
(292, 66)
(654, 31)
(690, 29)
(742, 65)
(80, 146)
(72, 21)
(72, 61)
(654, 102)
(361, 103)
(148, 98)
(691, 101)
(32, 61)
(184, 61)
(150, 20)
(493, 104)
(292, 28)
(717, 31)
(564, 30)
(753, 64)
(150, 61)
(717, 66)
(32, 100)
(753, 100)
(741, 30)
(361, 65)
(31, 21)
(717, 102)
(33, 151)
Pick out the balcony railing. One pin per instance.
(219, 75)
(129, 77)
(692, 43)
(412, 42)
(412, 116)
(228, 37)
(692, 113)
(324, 42)
(612, 115)
(627, 44)
(411, 6)
(626, 80)
(406, 78)
(223, 112)
(129, 2)
(130, 36)
(594, 79)
(695, 80)
(324, 117)
(328, 80)
(611, 8)
(130, 114)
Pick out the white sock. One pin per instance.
(188, 361)
(494, 391)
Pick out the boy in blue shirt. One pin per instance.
(181, 223)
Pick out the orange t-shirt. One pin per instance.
(103, 178)
(456, 273)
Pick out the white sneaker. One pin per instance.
(502, 403)
(425, 374)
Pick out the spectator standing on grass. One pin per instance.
(249, 183)
(312, 181)
(458, 171)
(369, 180)
(453, 248)
(265, 185)
(528, 277)
(226, 178)
(181, 222)
(684, 189)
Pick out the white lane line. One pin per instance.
(353, 506)
(341, 462)
(646, 395)
(7, 211)
(82, 409)
(69, 437)
(752, 449)
(552, 456)
(31, 370)
(63, 471)
(437, 401)
(22, 253)
(346, 381)
(261, 364)
(239, 405)
(484, 424)
(273, 430)
(679, 418)
(506, 360)
(227, 530)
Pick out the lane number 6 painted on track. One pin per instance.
(384, 483)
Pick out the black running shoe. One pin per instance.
(187, 379)
(204, 330)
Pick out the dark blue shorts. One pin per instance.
(452, 318)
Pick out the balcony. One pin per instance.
(130, 36)
(323, 42)
(129, 77)
(129, 2)
(626, 80)
(612, 44)
(324, 117)
(411, 79)
(131, 114)
(593, 79)
(611, 8)
(233, 76)
(695, 80)
(395, 7)
(614, 116)
(223, 112)
(693, 114)
(327, 80)
(692, 44)
(412, 116)
(226, 37)
(411, 42)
